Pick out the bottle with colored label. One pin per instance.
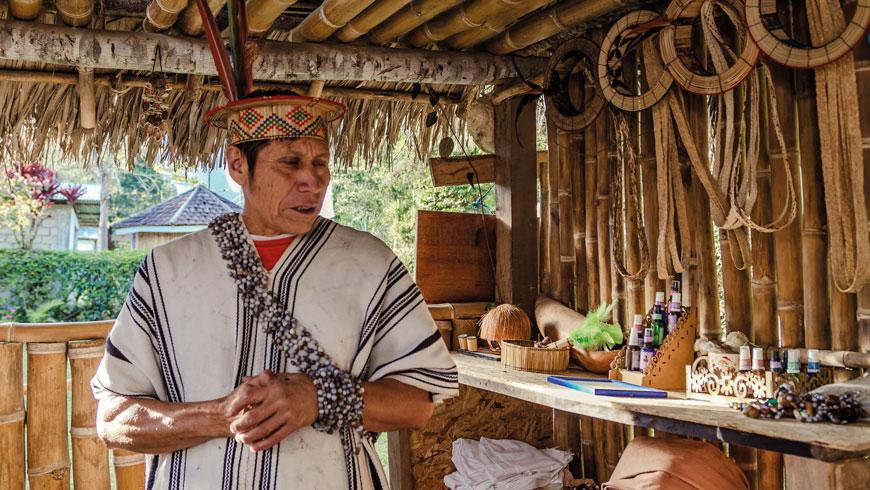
(647, 353)
(812, 362)
(758, 361)
(632, 357)
(674, 310)
(658, 321)
(794, 362)
(675, 289)
(745, 363)
(776, 362)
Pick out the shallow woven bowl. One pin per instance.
(524, 356)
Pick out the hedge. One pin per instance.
(48, 285)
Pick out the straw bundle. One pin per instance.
(505, 322)
(129, 470)
(90, 456)
(524, 356)
(190, 22)
(75, 12)
(47, 450)
(408, 18)
(11, 417)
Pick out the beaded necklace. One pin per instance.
(339, 393)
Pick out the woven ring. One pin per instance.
(560, 108)
(676, 40)
(610, 58)
(768, 32)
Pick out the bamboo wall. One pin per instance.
(784, 298)
(49, 439)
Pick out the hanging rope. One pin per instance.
(840, 148)
(626, 175)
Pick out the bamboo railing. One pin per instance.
(46, 464)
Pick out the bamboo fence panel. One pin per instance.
(12, 468)
(578, 188)
(787, 241)
(408, 18)
(766, 326)
(47, 449)
(565, 200)
(552, 208)
(76, 12)
(590, 144)
(602, 199)
(587, 446)
(129, 469)
(190, 22)
(90, 456)
(546, 285)
(376, 13)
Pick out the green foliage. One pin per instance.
(383, 201)
(137, 191)
(43, 285)
(596, 334)
(25, 198)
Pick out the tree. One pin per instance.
(138, 190)
(25, 198)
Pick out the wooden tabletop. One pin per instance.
(695, 418)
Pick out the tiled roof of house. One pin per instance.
(198, 206)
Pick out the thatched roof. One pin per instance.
(39, 102)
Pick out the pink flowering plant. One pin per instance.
(26, 191)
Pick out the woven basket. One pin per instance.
(524, 356)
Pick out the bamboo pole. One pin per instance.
(737, 287)
(634, 291)
(327, 18)
(87, 96)
(587, 445)
(55, 332)
(490, 15)
(862, 68)
(543, 232)
(747, 460)
(613, 447)
(47, 450)
(376, 13)
(766, 323)
(162, 14)
(90, 457)
(578, 187)
(129, 469)
(590, 138)
(549, 23)
(600, 437)
(787, 241)
(554, 223)
(770, 471)
(190, 22)
(844, 328)
(602, 197)
(12, 469)
(25, 9)
(262, 13)
(75, 12)
(408, 18)
(566, 218)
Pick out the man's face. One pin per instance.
(286, 191)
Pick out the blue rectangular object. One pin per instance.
(607, 387)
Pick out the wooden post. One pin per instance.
(566, 436)
(766, 321)
(129, 470)
(599, 436)
(602, 199)
(790, 295)
(587, 443)
(89, 454)
(746, 459)
(770, 470)
(552, 208)
(47, 450)
(862, 79)
(316, 88)
(578, 186)
(592, 266)
(12, 469)
(399, 450)
(546, 284)
(87, 106)
(613, 447)
(566, 218)
(515, 187)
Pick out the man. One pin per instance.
(262, 353)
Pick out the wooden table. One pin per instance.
(822, 441)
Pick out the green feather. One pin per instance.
(596, 333)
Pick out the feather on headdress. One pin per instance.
(234, 72)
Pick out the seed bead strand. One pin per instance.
(339, 393)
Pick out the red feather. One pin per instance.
(251, 52)
(218, 52)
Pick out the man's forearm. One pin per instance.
(392, 405)
(153, 426)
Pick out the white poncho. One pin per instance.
(183, 336)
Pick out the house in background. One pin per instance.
(66, 228)
(185, 213)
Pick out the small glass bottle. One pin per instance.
(635, 337)
(794, 362)
(658, 322)
(776, 362)
(812, 362)
(674, 310)
(647, 353)
(745, 363)
(758, 361)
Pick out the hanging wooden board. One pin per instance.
(678, 55)
(766, 28)
(618, 41)
(565, 79)
(455, 254)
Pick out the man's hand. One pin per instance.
(270, 407)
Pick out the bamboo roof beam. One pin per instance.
(277, 61)
(162, 14)
(376, 13)
(491, 15)
(408, 18)
(25, 9)
(193, 86)
(75, 12)
(87, 99)
(551, 22)
(262, 14)
(190, 22)
(329, 17)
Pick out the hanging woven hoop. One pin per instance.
(678, 54)
(569, 70)
(767, 30)
(627, 34)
